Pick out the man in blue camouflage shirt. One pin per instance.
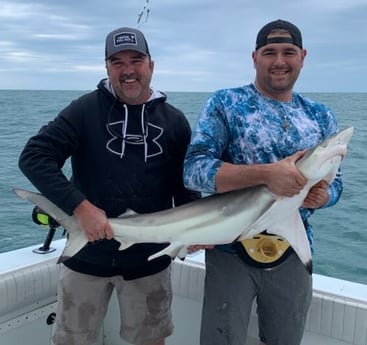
(253, 135)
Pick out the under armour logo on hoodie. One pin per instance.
(148, 137)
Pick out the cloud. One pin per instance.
(197, 45)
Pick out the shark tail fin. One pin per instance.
(76, 237)
(45, 205)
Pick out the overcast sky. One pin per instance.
(197, 45)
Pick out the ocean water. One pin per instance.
(340, 231)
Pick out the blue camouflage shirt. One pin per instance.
(242, 126)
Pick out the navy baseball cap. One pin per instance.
(262, 37)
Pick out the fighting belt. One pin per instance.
(263, 250)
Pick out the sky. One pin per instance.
(196, 45)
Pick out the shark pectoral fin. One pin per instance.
(172, 250)
(291, 228)
(76, 241)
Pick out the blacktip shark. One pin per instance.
(217, 219)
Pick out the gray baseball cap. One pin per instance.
(126, 39)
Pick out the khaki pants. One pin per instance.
(145, 307)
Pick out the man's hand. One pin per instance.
(93, 221)
(284, 178)
(317, 196)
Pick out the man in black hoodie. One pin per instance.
(127, 146)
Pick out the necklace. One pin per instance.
(285, 121)
(283, 113)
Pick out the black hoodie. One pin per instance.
(122, 157)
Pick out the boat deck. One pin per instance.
(28, 285)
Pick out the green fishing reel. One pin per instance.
(42, 218)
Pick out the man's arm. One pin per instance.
(282, 177)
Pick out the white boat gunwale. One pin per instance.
(28, 294)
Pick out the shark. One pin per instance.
(216, 219)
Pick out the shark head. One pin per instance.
(323, 161)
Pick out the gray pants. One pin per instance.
(283, 296)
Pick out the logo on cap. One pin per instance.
(124, 38)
